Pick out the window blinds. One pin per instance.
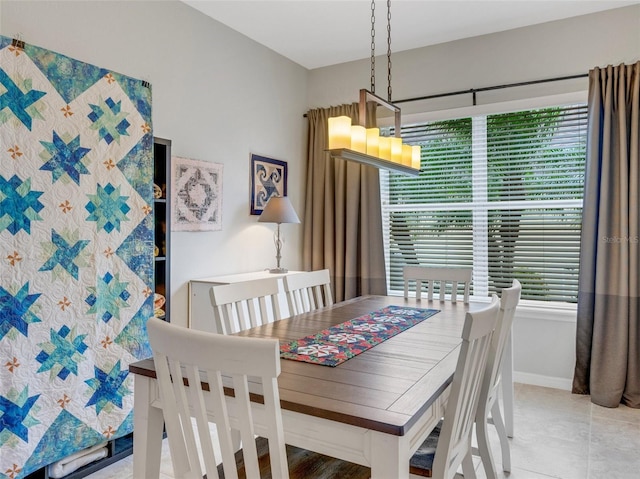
(501, 193)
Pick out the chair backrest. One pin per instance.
(454, 443)
(200, 356)
(308, 291)
(491, 382)
(240, 306)
(431, 275)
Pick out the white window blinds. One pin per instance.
(501, 193)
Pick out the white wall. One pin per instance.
(216, 94)
(220, 96)
(544, 340)
(560, 48)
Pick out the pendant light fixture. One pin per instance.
(365, 145)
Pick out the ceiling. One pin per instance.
(318, 33)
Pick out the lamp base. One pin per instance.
(278, 270)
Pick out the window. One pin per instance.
(501, 193)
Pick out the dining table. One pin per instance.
(373, 409)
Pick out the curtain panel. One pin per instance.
(608, 329)
(342, 220)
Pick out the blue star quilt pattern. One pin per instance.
(76, 253)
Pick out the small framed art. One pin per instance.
(196, 196)
(268, 178)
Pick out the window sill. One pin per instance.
(534, 310)
(540, 310)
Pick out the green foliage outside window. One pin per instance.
(521, 186)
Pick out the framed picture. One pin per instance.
(196, 195)
(268, 178)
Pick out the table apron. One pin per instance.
(384, 453)
(335, 439)
(421, 429)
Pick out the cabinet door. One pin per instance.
(162, 225)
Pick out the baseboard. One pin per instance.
(544, 381)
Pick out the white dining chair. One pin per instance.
(308, 291)
(240, 306)
(180, 352)
(489, 409)
(440, 276)
(454, 441)
(224, 362)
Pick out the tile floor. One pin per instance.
(557, 435)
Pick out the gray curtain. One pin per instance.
(608, 333)
(342, 215)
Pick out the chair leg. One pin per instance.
(496, 415)
(484, 449)
(467, 466)
(507, 386)
(236, 439)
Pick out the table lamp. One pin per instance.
(278, 210)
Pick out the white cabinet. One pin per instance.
(201, 314)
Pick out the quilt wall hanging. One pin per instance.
(196, 199)
(76, 253)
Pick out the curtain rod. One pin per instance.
(473, 91)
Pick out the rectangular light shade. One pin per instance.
(396, 150)
(373, 141)
(339, 132)
(358, 138)
(415, 157)
(406, 155)
(384, 148)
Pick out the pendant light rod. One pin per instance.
(373, 46)
(389, 50)
(366, 96)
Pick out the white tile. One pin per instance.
(558, 435)
(620, 413)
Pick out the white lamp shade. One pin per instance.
(278, 210)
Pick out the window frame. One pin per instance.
(563, 310)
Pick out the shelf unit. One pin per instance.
(117, 449)
(162, 218)
(122, 447)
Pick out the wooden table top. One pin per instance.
(386, 388)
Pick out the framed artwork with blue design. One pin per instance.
(268, 178)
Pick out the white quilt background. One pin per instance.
(76, 253)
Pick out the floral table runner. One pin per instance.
(335, 345)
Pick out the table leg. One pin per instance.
(507, 385)
(389, 456)
(148, 424)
